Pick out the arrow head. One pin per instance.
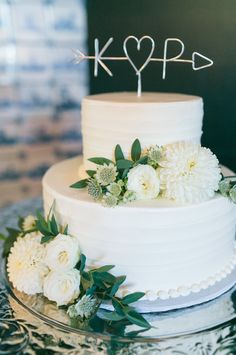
(199, 57)
(78, 56)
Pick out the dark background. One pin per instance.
(205, 26)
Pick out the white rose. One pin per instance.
(144, 182)
(62, 253)
(62, 287)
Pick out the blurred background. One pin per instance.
(41, 88)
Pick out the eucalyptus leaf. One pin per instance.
(137, 319)
(118, 153)
(82, 262)
(132, 297)
(91, 173)
(103, 268)
(114, 316)
(142, 160)
(80, 184)
(105, 277)
(136, 150)
(124, 164)
(100, 161)
(118, 307)
(115, 287)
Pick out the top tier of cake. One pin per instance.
(155, 118)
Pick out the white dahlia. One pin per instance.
(25, 266)
(62, 253)
(144, 182)
(62, 287)
(188, 172)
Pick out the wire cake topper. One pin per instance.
(99, 57)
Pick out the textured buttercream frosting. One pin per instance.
(154, 118)
(165, 249)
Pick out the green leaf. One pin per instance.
(142, 160)
(132, 297)
(80, 184)
(65, 231)
(136, 150)
(137, 319)
(2, 237)
(124, 164)
(90, 291)
(53, 226)
(103, 277)
(82, 262)
(118, 307)
(118, 153)
(42, 225)
(47, 238)
(114, 316)
(115, 287)
(9, 240)
(20, 222)
(125, 173)
(86, 280)
(103, 268)
(100, 161)
(91, 173)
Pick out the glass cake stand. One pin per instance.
(33, 325)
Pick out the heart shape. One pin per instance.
(139, 41)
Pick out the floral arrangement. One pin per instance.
(43, 258)
(184, 172)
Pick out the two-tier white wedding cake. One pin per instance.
(165, 248)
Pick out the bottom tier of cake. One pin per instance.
(164, 249)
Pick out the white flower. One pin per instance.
(28, 223)
(62, 287)
(129, 196)
(115, 189)
(94, 189)
(189, 173)
(144, 182)
(109, 200)
(25, 266)
(84, 308)
(62, 253)
(106, 174)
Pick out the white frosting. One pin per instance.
(155, 118)
(164, 249)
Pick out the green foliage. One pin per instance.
(48, 227)
(133, 297)
(91, 173)
(101, 161)
(119, 153)
(136, 150)
(124, 164)
(81, 184)
(102, 285)
(9, 239)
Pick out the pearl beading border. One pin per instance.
(185, 290)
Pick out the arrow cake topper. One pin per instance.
(99, 57)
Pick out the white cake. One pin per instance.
(165, 249)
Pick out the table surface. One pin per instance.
(24, 332)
